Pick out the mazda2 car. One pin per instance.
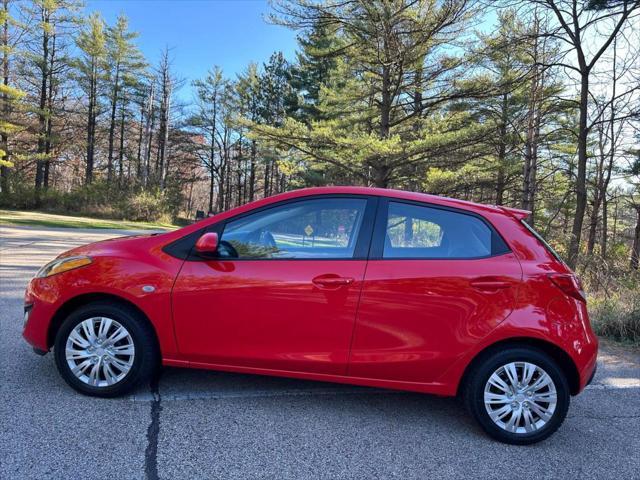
(355, 285)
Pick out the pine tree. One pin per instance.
(248, 90)
(123, 59)
(519, 111)
(10, 96)
(314, 65)
(53, 21)
(374, 126)
(90, 72)
(277, 102)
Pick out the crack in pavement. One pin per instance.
(151, 452)
(602, 417)
(611, 387)
(204, 395)
(175, 397)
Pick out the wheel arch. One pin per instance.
(562, 358)
(86, 298)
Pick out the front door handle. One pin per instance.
(331, 281)
(489, 285)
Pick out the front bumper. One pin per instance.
(39, 310)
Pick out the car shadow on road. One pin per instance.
(446, 414)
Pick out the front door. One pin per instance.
(438, 281)
(283, 291)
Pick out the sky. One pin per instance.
(201, 33)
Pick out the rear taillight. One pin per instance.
(569, 284)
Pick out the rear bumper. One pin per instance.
(593, 374)
(589, 360)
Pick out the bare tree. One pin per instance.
(166, 86)
(582, 28)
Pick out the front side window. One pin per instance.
(313, 229)
(415, 231)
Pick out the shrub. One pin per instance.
(98, 200)
(144, 206)
(617, 315)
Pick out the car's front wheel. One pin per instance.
(518, 396)
(105, 349)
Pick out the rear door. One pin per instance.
(438, 281)
(283, 292)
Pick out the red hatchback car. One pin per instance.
(356, 285)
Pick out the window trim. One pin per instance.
(542, 241)
(362, 246)
(376, 251)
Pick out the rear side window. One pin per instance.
(415, 231)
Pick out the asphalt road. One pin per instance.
(198, 424)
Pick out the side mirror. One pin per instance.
(207, 244)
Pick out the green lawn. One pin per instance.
(41, 219)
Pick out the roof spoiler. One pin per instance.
(516, 212)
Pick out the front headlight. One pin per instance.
(60, 265)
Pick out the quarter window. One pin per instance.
(311, 229)
(423, 232)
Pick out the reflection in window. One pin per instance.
(318, 228)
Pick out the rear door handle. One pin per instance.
(331, 281)
(490, 285)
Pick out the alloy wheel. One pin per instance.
(100, 351)
(520, 397)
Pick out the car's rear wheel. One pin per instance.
(518, 396)
(105, 349)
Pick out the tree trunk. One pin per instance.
(121, 145)
(381, 176)
(531, 144)
(252, 171)
(42, 113)
(91, 128)
(381, 168)
(614, 233)
(239, 161)
(605, 221)
(212, 183)
(595, 209)
(635, 249)
(502, 150)
(593, 223)
(612, 156)
(165, 140)
(267, 174)
(165, 114)
(148, 134)
(4, 137)
(221, 183)
(47, 145)
(140, 142)
(112, 124)
(581, 177)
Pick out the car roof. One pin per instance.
(398, 194)
(344, 190)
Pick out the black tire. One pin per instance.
(146, 358)
(473, 393)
